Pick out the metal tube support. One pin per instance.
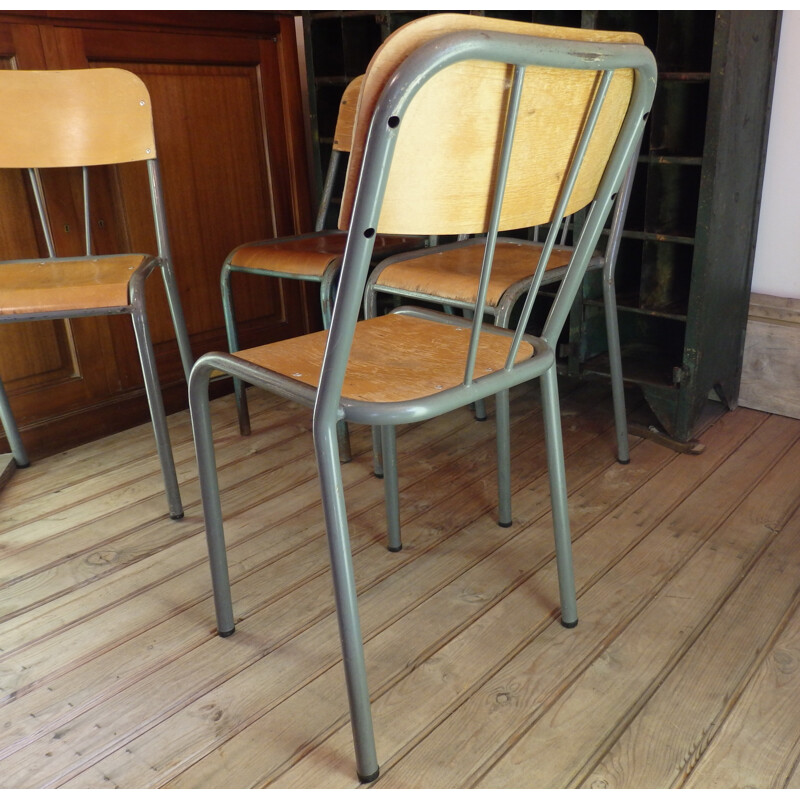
(11, 430)
(209, 491)
(503, 425)
(615, 367)
(229, 315)
(610, 309)
(558, 497)
(391, 487)
(346, 600)
(167, 273)
(87, 212)
(156, 403)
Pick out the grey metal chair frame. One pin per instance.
(327, 399)
(136, 296)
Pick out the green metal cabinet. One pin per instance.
(686, 259)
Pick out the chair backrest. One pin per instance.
(472, 125)
(346, 120)
(342, 142)
(78, 118)
(445, 139)
(74, 118)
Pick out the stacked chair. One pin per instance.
(87, 118)
(466, 125)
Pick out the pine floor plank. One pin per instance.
(682, 671)
(662, 743)
(560, 745)
(765, 714)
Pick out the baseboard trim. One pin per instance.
(771, 367)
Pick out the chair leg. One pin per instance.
(377, 452)
(503, 424)
(240, 394)
(327, 292)
(615, 364)
(11, 430)
(178, 319)
(391, 487)
(157, 414)
(209, 491)
(558, 497)
(479, 406)
(346, 601)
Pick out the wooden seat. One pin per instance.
(475, 125)
(314, 257)
(378, 372)
(85, 118)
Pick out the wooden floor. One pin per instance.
(683, 672)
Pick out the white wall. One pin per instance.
(777, 260)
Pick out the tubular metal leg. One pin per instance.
(503, 424)
(479, 405)
(558, 497)
(377, 452)
(11, 430)
(391, 488)
(157, 414)
(209, 490)
(178, 319)
(233, 345)
(327, 292)
(615, 363)
(346, 601)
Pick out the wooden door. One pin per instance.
(229, 132)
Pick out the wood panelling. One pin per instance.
(229, 136)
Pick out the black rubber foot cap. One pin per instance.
(369, 778)
(176, 516)
(394, 549)
(377, 475)
(22, 466)
(569, 624)
(627, 461)
(505, 524)
(226, 634)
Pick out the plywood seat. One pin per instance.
(37, 286)
(454, 275)
(308, 257)
(394, 358)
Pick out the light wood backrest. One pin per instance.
(70, 118)
(443, 169)
(345, 122)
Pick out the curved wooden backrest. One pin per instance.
(443, 169)
(73, 118)
(345, 122)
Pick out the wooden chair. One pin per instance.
(450, 274)
(465, 125)
(85, 118)
(314, 257)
